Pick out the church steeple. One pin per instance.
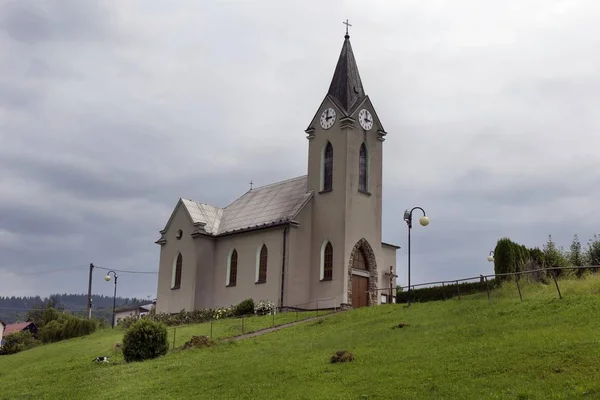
(346, 86)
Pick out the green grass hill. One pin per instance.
(541, 348)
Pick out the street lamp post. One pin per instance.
(490, 257)
(107, 279)
(424, 221)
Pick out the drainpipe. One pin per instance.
(285, 231)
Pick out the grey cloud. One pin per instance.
(19, 97)
(33, 22)
(489, 109)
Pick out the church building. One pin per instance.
(313, 241)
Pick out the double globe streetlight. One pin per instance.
(424, 221)
(107, 279)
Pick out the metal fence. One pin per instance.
(233, 327)
(484, 279)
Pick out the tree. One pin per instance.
(576, 257)
(553, 256)
(593, 251)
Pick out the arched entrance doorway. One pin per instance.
(362, 275)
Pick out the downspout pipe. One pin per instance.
(285, 234)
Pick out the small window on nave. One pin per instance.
(262, 264)
(232, 267)
(176, 282)
(328, 262)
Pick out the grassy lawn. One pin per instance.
(541, 348)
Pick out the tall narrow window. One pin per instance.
(176, 280)
(262, 265)
(328, 262)
(362, 169)
(328, 167)
(233, 261)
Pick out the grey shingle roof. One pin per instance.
(346, 86)
(259, 207)
(205, 214)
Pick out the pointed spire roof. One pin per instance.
(346, 86)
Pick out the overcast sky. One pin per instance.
(112, 110)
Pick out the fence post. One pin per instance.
(174, 336)
(556, 283)
(487, 287)
(211, 329)
(458, 290)
(273, 312)
(519, 286)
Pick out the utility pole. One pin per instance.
(90, 292)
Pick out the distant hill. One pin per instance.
(13, 309)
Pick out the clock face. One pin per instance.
(328, 118)
(366, 119)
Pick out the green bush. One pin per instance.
(17, 342)
(245, 307)
(435, 293)
(66, 326)
(144, 340)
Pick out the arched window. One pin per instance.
(360, 261)
(262, 265)
(328, 167)
(327, 262)
(176, 275)
(232, 268)
(362, 169)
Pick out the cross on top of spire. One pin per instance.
(347, 25)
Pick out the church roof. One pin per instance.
(263, 206)
(204, 214)
(346, 87)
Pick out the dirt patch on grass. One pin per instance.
(342, 356)
(400, 325)
(198, 342)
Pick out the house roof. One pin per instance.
(264, 206)
(12, 328)
(143, 307)
(346, 86)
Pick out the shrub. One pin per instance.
(66, 326)
(434, 293)
(144, 340)
(127, 321)
(223, 312)
(17, 342)
(245, 307)
(265, 307)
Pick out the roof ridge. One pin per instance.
(278, 183)
(204, 204)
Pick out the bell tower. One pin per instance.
(345, 172)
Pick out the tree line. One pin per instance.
(510, 257)
(14, 309)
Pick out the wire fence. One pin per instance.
(234, 327)
(453, 286)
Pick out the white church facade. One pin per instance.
(313, 238)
